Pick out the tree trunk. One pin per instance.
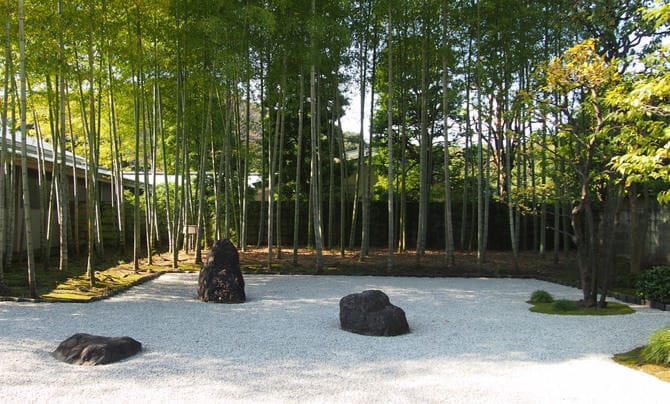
(116, 165)
(464, 237)
(314, 175)
(310, 209)
(226, 164)
(402, 236)
(32, 281)
(136, 170)
(448, 221)
(280, 159)
(237, 196)
(389, 108)
(171, 229)
(3, 150)
(12, 216)
(156, 130)
(261, 220)
(363, 60)
(510, 203)
(557, 215)
(245, 175)
(148, 214)
(331, 175)
(298, 171)
(92, 169)
(424, 184)
(481, 236)
(343, 177)
(201, 179)
(178, 131)
(481, 185)
(216, 183)
(45, 216)
(583, 237)
(272, 156)
(367, 182)
(75, 187)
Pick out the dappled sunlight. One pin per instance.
(178, 286)
(474, 338)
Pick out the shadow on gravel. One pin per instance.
(287, 334)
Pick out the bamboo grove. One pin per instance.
(541, 116)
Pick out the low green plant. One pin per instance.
(654, 284)
(658, 349)
(572, 308)
(634, 359)
(564, 305)
(541, 296)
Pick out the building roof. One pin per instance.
(50, 156)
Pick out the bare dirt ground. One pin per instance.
(433, 263)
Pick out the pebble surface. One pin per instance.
(470, 341)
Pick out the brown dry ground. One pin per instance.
(432, 263)
(114, 274)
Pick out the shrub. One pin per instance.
(654, 284)
(658, 349)
(541, 296)
(564, 305)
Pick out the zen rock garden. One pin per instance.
(87, 349)
(368, 313)
(371, 313)
(220, 278)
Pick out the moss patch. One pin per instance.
(612, 308)
(107, 283)
(635, 360)
(72, 285)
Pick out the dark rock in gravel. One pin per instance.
(220, 279)
(87, 349)
(371, 313)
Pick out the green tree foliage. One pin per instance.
(614, 136)
(531, 105)
(641, 107)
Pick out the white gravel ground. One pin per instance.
(471, 341)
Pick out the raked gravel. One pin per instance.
(471, 341)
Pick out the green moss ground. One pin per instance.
(612, 308)
(73, 284)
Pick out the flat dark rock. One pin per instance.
(371, 313)
(87, 349)
(220, 279)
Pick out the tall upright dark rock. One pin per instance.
(220, 278)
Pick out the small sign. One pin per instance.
(190, 229)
